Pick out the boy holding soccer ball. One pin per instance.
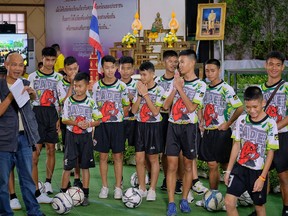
(255, 139)
(80, 115)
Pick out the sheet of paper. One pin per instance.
(16, 89)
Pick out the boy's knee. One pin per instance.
(229, 203)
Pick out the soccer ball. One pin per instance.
(245, 199)
(41, 187)
(213, 200)
(62, 203)
(76, 194)
(131, 198)
(134, 180)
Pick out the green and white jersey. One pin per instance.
(131, 87)
(62, 89)
(45, 86)
(220, 102)
(195, 91)
(144, 113)
(255, 139)
(165, 84)
(277, 108)
(84, 110)
(110, 100)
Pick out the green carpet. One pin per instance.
(115, 207)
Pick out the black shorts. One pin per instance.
(63, 128)
(129, 130)
(78, 148)
(216, 146)
(182, 137)
(280, 160)
(47, 118)
(109, 136)
(149, 138)
(241, 179)
(165, 117)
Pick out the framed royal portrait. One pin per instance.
(211, 21)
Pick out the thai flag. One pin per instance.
(94, 37)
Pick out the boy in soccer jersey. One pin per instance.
(126, 69)
(46, 108)
(111, 96)
(255, 139)
(80, 115)
(146, 106)
(185, 96)
(65, 90)
(221, 108)
(277, 109)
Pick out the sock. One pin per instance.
(13, 196)
(63, 190)
(149, 175)
(48, 180)
(195, 181)
(86, 192)
(37, 193)
(77, 180)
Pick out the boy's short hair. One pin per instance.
(82, 76)
(253, 93)
(56, 47)
(190, 53)
(49, 51)
(214, 62)
(276, 54)
(147, 66)
(69, 60)
(169, 53)
(108, 58)
(126, 60)
(40, 64)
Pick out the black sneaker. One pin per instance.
(85, 202)
(78, 183)
(253, 214)
(164, 186)
(178, 188)
(69, 184)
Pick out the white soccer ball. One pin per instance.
(76, 194)
(134, 180)
(62, 203)
(41, 187)
(245, 199)
(213, 200)
(131, 198)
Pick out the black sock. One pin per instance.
(86, 192)
(149, 175)
(77, 180)
(37, 193)
(13, 196)
(195, 181)
(48, 180)
(63, 190)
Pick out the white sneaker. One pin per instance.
(15, 204)
(104, 192)
(143, 193)
(190, 197)
(43, 198)
(151, 195)
(117, 193)
(199, 188)
(199, 203)
(48, 188)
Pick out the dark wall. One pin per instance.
(206, 47)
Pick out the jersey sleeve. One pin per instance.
(125, 99)
(96, 114)
(272, 139)
(233, 99)
(65, 114)
(200, 92)
(236, 129)
(61, 92)
(168, 91)
(159, 97)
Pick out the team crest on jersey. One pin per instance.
(272, 111)
(210, 115)
(76, 129)
(248, 154)
(109, 111)
(179, 110)
(47, 98)
(146, 114)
